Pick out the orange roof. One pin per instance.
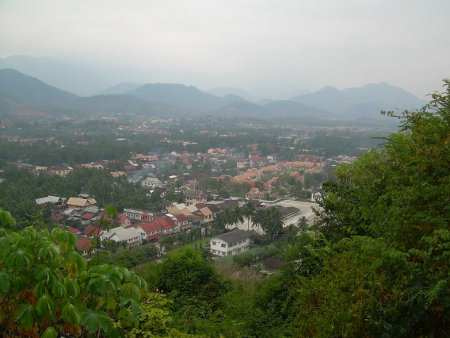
(92, 231)
(73, 230)
(181, 217)
(270, 168)
(122, 218)
(301, 164)
(84, 243)
(158, 223)
(150, 226)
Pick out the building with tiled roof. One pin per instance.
(230, 243)
(88, 216)
(195, 196)
(138, 215)
(92, 231)
(73, 230)
(160, 226)
(129, 236)
(80, 203)
(207, 214)
(124, 220)
(49, 200)
(84, 245)
(181, 221)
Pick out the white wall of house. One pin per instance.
(222, 248)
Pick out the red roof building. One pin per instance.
(181, 217)
(181, 221)
(160, 226)
(73, 230)
(84, 244)
(124, 220)
(57, 217)
(92, 231)
(88, 216)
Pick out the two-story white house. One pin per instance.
(138, 215)
(230, 243)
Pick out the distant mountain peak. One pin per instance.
(329, 89)
(367, 100)
(226, 91)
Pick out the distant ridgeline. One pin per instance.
(26, 97)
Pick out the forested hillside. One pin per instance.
(377, 264)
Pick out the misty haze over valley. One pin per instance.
(211, 168)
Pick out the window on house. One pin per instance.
(214, 243)
(223, 245)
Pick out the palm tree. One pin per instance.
(228, 216)
(237, 215)
(220, 221)
(249, 210)
(270, 220)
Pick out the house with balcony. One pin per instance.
(230, 243)
(195, 196)
(137, 215)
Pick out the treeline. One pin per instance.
(75, 143)
(20, 188)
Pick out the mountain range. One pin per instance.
(23, 95)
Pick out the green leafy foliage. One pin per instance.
(6, 220)
(191, 282)
(45, 283)
(387, 218)
(270, 220)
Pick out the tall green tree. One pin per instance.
(237, 215)
(248, 211)
(270, 220)
(398, 199)
(193, 284)
(400, 192)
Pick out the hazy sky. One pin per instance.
(271, 48)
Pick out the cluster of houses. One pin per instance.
(62, 170)
(81, 216)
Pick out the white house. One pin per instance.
(230, 243)
(138, 215)
(151, 182)
(130, 236)
(317, 196)
(49, 199)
